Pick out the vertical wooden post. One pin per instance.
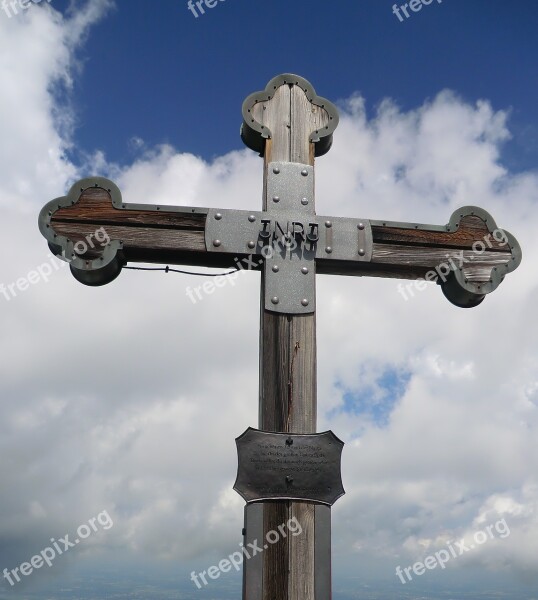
(288, 385)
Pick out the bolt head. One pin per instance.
(328, 249)
(328, 224)
(360, 226)
(276, 198)
(275, 300)
(304, 201)
(304, 302)
(252, 218)
(217, 243)
(361, 252)
(218, 216)
(276, 269)
(304, 270)
(304, 173)
(276, 170)
(251, 245)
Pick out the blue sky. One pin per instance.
(158, 73)
(106, 393)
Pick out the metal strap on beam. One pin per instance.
(288, 237)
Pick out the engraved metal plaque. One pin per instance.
(289, 466)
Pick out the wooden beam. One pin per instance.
(177, 236)
(288, 383)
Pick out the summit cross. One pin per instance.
(289, 125)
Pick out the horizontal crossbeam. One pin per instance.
(469, 257)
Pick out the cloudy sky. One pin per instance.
(126, 399)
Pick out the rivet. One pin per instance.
(276, 198)
(328, 224)
(361, 252)
(276, 268)
(304, 201)
(252, 218)
(276, 170)
(304, 173)
(275, 300)
(217, 243)
(328, 249)
(251, 245)
(360, 226)
(304, 270)
(304, 302)
(218, 216)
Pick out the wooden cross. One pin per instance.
(289, 125)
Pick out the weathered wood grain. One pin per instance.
(140, 238)
(477, 267)
(476, 273)
(467, 234)
(288, 384)
(95, 206)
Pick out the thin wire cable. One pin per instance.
(167, 269)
